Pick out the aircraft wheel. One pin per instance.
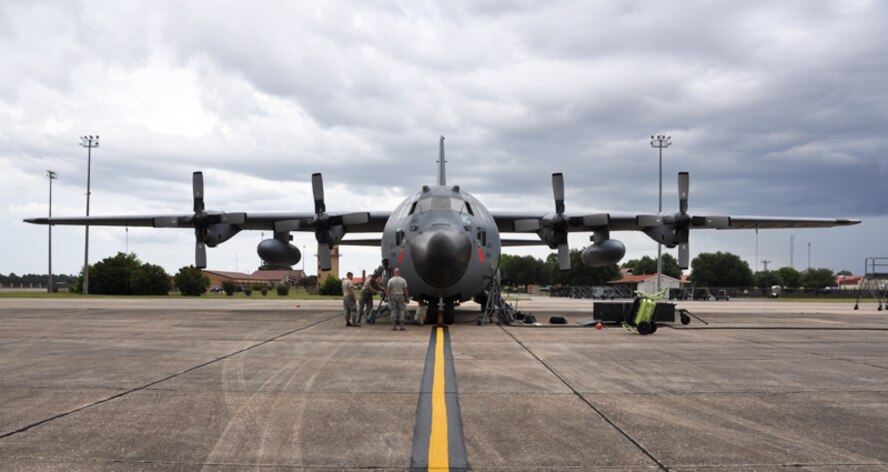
(432, 312)
(855, 306)
(685, 319)
(644, 328)
(449, 316)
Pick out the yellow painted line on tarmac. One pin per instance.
(438, 448)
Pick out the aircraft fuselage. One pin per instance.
(445, 243)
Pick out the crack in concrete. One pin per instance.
(155, 382)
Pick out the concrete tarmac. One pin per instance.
(230, 385)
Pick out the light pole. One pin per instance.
(52, 176)
(89, 142)
(660, 141)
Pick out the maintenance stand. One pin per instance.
(875, 274)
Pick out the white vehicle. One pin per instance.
(604, 293)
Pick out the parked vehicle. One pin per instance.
(702, 294)
(604, 293)
(722, 295)
(678, 294)
(776, 291)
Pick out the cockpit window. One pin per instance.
(441, 203)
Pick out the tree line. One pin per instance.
(125, 274)
(28, 279)
(719, 269)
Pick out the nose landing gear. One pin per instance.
(443, 307)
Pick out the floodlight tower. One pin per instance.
(660, 141)
(89, 142)
(52, 176)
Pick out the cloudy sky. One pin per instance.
(775, 109)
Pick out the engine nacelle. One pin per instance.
(219, 233)
(278, 252)
(603, 253)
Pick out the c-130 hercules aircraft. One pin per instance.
(444, 241)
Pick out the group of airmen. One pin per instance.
(395, 293)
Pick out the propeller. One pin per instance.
(201, 221)
(673, 230)
(553, 230)
(329, 229)
(559, 223)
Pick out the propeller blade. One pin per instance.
(197, 186)
(317, 189)
(648, 220)
(233, 218)
(324, 256)
(200, 255)
(684, 183)
(359, 218)
(563, 257)
(558, 190)
(684, 255)
(526, 226)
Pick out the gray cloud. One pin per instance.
(775, 109)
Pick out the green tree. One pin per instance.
(124, 274)
(331, 286)
(648, 265)
(229, 287)
(720, 269)
(523, 270)
(791, 277)
(191, 281)
(111, 275)
(579, 273)
(308, 281)
(844, 272)
(150, 279)
(817, 278)
(767, 279)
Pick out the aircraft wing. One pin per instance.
(129, 220)
(511, 222)
(642, 222)
(374, 222)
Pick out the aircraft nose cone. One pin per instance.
(441, 255)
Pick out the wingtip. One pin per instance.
(846, 222)
(35, 220)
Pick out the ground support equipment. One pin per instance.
(875, 275)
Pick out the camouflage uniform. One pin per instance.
(397, 300)
(348, 303)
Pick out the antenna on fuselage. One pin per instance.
(442, 180)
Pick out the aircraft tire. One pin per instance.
(432, 312)
(449, 316)
(644, 328)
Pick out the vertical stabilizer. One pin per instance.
(442, 179)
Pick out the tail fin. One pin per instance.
(442, 179)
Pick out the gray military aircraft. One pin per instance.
(444, 241)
